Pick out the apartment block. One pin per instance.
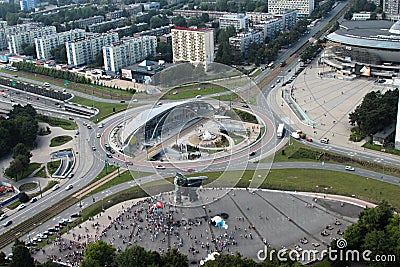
(9, 30)
(3, 24)
(156, 31)
(289, 19)
(242, 41)
(259, 17)
(391, 6)
(114, 23)
(151, 6)
(304, 7)
(270, 27)
(193, 45)
(16, 40)
(26, 5)
(195, 13)
(83, 23)
(82, 52)
(44, 44)
(128, 52)
(239, 21)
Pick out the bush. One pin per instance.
(23, 197)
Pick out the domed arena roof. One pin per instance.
(395, 29)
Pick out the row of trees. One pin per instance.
(376, 111)
(310, 52)
(362, 5)
(18, 135)
(67, 75)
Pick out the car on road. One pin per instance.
(98, 135)
(128, 162)
(55, 187)
(71, 175)
(122, 101)
(160, 167)
(76, 132)
(33, 200)
(75, 215)
(71, 118)
(46, 84)
(159, 103)
(253, 153)
(109, 155)
(309, 139)
(272, 86)
(89, 126)
(21, 206)
(134, 100)
(3, 216)
(107, 146)
(349, 168)
(7, 223)
(190, 170)
(278, 81)
(69, 187)
(245, 106)
(93, 148)
(101, 125)
(325, 140)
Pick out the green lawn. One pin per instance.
(33, 166)
(191, 91)
(98, 90)
(309, 180)
(299, 152)
(105, 109)
(41, 173)
(60, 140)
(124, 177)
(58, 122)
(52, 166)
(256, 73)
(382, 149)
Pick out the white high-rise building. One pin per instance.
(304, 7)
(242, 41)
(128, 52)
(44, 44)
(16, 40)
(239, 21)
(192, 45)
(397, 137)
(81, 52)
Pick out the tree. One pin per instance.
(99, 61)
(15, 169)
(59, 53)
(21, 255)
(23, 197)
(98, 254)
(139, 257)
(28, 50)
(21, 149)
(179, 21)
(174, 258)
(164, 50)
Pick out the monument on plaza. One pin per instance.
(187, 186)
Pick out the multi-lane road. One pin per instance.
(90, 162)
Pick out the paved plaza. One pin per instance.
(327, 100)
(254, 218)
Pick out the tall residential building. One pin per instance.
(44, 44)
(114, 23)
(304, 7)
(81, 52)
(242, 41)
(239, 21)
(16, 40)
(193, 45)
(3, 23)
(391, 6)
(128, 52)
(289, 19)
(83, 23)
(26, 5)
(9, 30)
(270, 28)
(397, 137)
(259, 17)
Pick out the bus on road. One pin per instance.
(280, 131)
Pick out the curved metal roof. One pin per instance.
(147, 115)
(395, 29)
(363, 42)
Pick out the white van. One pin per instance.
(46, 84)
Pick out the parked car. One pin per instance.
(309, 139)
(160, 167)
(33, 200)
(109, 155)
(325, 140)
